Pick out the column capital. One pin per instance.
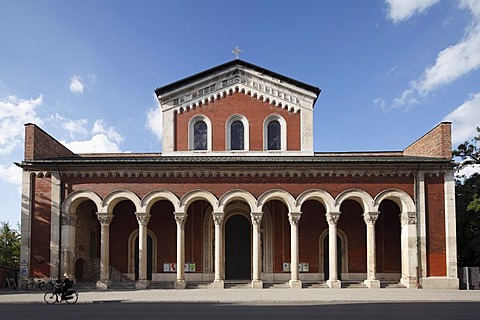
(180, 218)
(68, 219)
(256, 218)
(142, 218)
(218, 217)
(370, 217)
(332, 217)
(408, 218)
(294, 218)
(104, 218)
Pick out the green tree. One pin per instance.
(9, 246)
(467, 195)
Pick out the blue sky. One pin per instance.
(85, 71)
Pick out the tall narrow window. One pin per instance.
(200, 136)
(237, 136)
(274, 135)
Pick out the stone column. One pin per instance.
(55, 226)
(105, 220)
(257, 267)
(68, 243)
(294, 218)
(371, 281)
(409, 249)
(450, 228)
(180, 219)
(218, 218)
(142, 218)
(332, 220)
(26, 222)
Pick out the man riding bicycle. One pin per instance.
(66, 285)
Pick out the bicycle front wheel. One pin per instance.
(42, 286)
(32, 286)
(73, 299)
(49, 286)
(50, 297)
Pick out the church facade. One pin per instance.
(239, 195)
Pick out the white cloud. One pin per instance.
(73, 127)
(103, 140)
(76, 84)
(11, 174)
(451, 63)
(14, 113)
(399, 10)
(99, 143)
(155, 122)
(465, 119)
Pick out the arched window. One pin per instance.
(274, 135)
(237, 136)
(237, 133)
(200, 136)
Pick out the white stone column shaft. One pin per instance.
(105, 220)
(409, 249)
(257, 270)
(180, 219)
(332, 219)
(371, 281)
(142, 219)
(55, 225)
(450, 225)
(26, 223)
(294, 218)
(68, 243)
(218, 218)
(422, 225)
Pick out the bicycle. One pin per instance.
(32, 284)
(55, 296)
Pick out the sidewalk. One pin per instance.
(253, 296)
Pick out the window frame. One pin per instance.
(246, 133)
(191, 132)
(283, 132)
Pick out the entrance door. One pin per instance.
(326, 265)
(237, 248)
(149, 258)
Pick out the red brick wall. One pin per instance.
(281, 235)
(312, 224)
(388, 237)
(351, 222)
(436, 244)
(194, 234)
(254, 110)
(162, 224)
(40, 145)
(436, 143)
(123, 224)
(40, 228)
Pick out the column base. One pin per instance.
(334, 284)
(257, 284)
(409, 283)
(142, 284)
(372, 284)
(103, 284)
(218, 284)
(295, 284)
(180, 284)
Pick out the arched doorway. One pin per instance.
(80, 267)
(237, 248)
(149, 258)
(326, 265)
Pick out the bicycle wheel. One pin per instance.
(73, 299)
(31, 286)
(50, 297)
(49, 286)
(42, 286)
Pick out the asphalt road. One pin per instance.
(190, 311)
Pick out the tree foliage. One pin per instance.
(9, 246)
(468, 205)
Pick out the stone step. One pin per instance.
(353, 285)
(314, 285)
(276, 285)
(238, 285)
(161, 285)
(391, 285)
(198, 285)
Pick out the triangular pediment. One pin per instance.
(237, 76)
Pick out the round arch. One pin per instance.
(119, 195)
(281, 195)
(319, 195)
(238, 194)
(400, 197)
(198, 194)
(156, 195)
(73, 200)
(358, 195)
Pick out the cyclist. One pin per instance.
(66, 285)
